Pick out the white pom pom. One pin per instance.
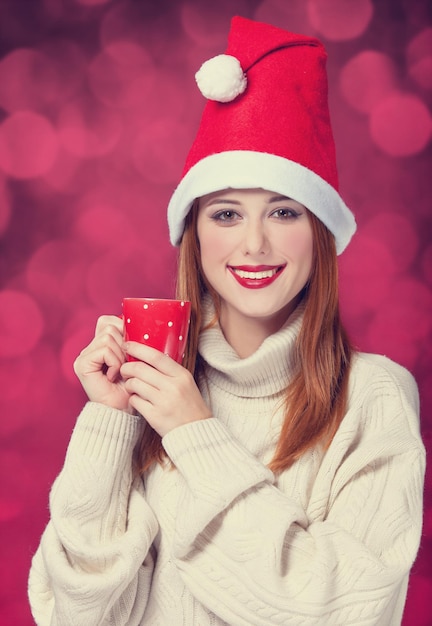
(221, 78)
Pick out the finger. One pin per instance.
(157, 359)
(98, 361)
(142, 371)
(140, 388)
(108, 341)
(105, 358)
(110, 322)
(143, 407)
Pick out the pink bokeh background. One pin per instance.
(98, 107)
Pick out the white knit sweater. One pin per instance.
(220, 539)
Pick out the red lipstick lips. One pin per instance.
(256, 276)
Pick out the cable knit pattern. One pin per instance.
(219, 539)
(101, 530)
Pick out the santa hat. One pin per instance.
(266, 124)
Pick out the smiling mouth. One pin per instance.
(254, 278)
(255, 275)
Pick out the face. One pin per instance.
(256, 252)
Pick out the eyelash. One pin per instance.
(288, 213)
(228, 216)
(224, 216)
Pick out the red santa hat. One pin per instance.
(266, 124)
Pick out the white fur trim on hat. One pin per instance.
(221, 78)
(244, 169)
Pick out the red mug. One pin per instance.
(160, 323)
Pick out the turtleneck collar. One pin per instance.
(266, 372)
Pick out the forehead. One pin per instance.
(242, 195)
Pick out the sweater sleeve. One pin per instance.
(94, 564)
(255, 556)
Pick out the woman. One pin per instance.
(276, 476)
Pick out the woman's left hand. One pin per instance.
(164, 392)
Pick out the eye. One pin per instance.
(285, 214)
(225, 216)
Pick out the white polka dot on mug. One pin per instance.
(162, 324)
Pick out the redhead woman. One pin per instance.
(276, 476)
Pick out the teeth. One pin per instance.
(255, 275)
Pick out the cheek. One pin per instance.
(214, 247)
(298, 245)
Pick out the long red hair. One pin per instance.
(316, 397)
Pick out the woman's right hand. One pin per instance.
(98, 365)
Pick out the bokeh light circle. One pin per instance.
(21, 323)
(339, 20)
(5, 206)
(28, 145)
(104, 226)
(401, 125)
(123, 21)
(77, 333)
(62, 176)
(402, 324)
(158, 152)
(123, 272)
(88, 129)
(32, 376)
(419, 58)
(38, 79)
(25, 79)
(426, 264)
(290, 15)
(397, 233)
(366, 79)
(366, 274)
(18, 380)
(122, 75)
(209, 28)
(56, 270)
(12, 503)
(73, 344)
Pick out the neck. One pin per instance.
(246, 334)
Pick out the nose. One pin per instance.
(255, 239)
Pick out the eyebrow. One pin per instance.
(279, 198)
(219, 200)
